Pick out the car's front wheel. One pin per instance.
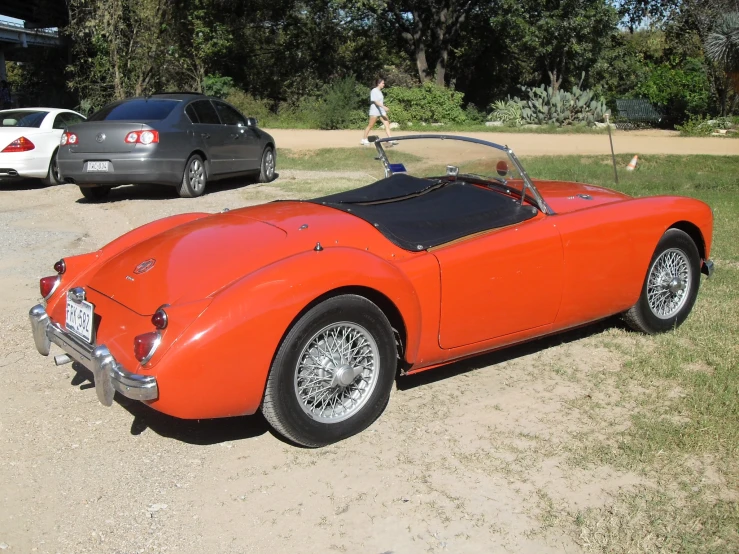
(333, 373)
(194, 179)
(95, 194)
(267, 168)
(670, 287)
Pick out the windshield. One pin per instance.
(458, 158)
(22, 118)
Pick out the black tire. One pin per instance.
(670, 304)
(194, 178)
(268, 165)
(287, 400)
(95, 194)
(52, 176)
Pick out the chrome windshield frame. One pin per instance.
(527, 182)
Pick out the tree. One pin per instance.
(429, 28)
(722, 47)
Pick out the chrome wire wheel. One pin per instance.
(669, 283)
(336, 372)
(196, 175)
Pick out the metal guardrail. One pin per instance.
(9, 25)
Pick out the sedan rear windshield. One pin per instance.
(22, 118)
(140, 109)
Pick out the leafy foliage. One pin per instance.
(427, 103)
(545, 106)
(722, 45)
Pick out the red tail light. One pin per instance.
(160, 319)
(145, 345)
(47, 286)
(69, 138)
(142, 137)
(60, 267)
(20, 145)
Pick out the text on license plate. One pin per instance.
(79, 318)
(97, 166)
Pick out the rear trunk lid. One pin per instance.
(104, 137)
(189, 262)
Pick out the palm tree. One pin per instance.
(722, 47)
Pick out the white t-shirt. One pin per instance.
(376, 97)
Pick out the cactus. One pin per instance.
(544, 106)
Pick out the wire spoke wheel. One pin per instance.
(669, 283)
(336, 372)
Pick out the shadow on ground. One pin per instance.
(159, 192)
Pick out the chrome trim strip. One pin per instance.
(110, 376)
(707, 268)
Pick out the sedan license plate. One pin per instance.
(97, 166)
(80, 316)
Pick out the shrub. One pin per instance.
(699, 126)
(251, 107)
(544, 106)
(428, 103)
(217, 85)
(340, 105)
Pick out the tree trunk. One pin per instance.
(440, 72)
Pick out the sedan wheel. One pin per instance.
(52, 177)
(670, 287)
(333, 372)
(194, 179)
(267, 169)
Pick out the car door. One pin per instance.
(244, 144)
(214, 136)
(501, 282)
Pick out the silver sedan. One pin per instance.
(181, 140)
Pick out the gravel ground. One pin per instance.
(466, 458)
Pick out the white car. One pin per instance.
(29, 139)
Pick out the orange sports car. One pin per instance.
(308, 310)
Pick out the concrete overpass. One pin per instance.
(40, 21)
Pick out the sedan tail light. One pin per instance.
(142, 137)
(19, 145)
(69, 138)
(47, 286)
(145, 345)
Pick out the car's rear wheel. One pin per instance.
(52, 177)
(95, 194)
(333, 373)
(670, 287)
(267, 168)
(194, 179)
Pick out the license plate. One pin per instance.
(80, 316)
(97, 166)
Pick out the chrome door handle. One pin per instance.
(205, 135)
(234, 135)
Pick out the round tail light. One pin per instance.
(160, 319)
(60, 267)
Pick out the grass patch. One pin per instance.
(338, 159)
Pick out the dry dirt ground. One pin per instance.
(468, 458)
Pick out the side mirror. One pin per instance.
(251, 121)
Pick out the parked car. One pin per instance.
(309, 309)
(29, 140)
(181, 140)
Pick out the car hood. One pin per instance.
(566, 196)
(197, 259)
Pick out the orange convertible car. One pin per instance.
(307, 310)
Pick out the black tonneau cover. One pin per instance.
(416, 213)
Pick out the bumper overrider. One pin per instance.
(110, 376)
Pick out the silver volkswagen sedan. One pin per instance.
(181, 140)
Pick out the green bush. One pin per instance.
(700, 126)
(340, 105)
(428, 103)
(543, 106)
(680, 92)
(251, 107)
(217, 85)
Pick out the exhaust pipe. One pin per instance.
(62, 359)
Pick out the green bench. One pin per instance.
(636, 112)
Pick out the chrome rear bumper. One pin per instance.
(110, 376)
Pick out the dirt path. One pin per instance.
(466, 459)
(636, 142)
